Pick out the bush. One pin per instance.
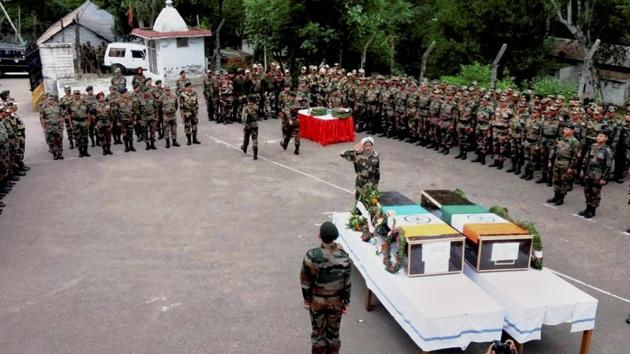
(481, 74)
(549, 85)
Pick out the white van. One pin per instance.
(126, 56)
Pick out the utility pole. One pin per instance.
(425, 56)
(495, 66)
(17, 32)
(217, 46)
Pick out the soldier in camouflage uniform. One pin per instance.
(501, 132)
(20, 134)
(531, 144)
(249, 118)
(290, 122)
(550, 131)
(158, 92)
(326, 287)
(595, 175)
(63, 104)
(622, 147)
(208, 93)
(564, 155)
(138, 79)
(104, 122)
(52, 123)
(112, 99)
(466, 125)
(448, 116)
(147, 109)
(190, 110)
(411, 113)
(517, 130)
(372, 99)
(5, 170)
(483, 130)
(180, 84)
(169, 109)
(137, 96)
(119, 81)
(79, 112)
(128, 109)
(90, 101)
(400, 104)
(366, 165)
(423, 126)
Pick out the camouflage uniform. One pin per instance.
(367, 168)
(189, 110)
(250, 126)
(501, 135)
(400, 121)
(565, 153)
(128, 109)
(79, 112)
(158, 92)
(434, 122)
(596, 169)
(466, 128)
(411, 112)
(326, 287)
(531, 146)
(63, 104)
(112, 99)
(90, 100)
(169, 108)
(208, 93)
(550, 131)
(372, 97)
(388, 116)
(448, 116)
(5, 167)
(104, 123)
(483, 132)
(423, 126)
(290, 123)
(517, 129)
(52, 122)
(149, 119)
(119, 82)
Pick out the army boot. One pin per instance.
(549, 182)
(244, 148)
(188, 137)
(543, 178)
(147, 145)
(495, 163)
(85, 152)
(297, 149)
(126, 146)
(460, 155)
(71, 144)
(104, 149)
(560, 199)
(500, 165)
(590, 213)
(284, 144)
(92, 140)
(478, 158)
(80, 151)
(153, 144)
(446, 150)
(513, 167)
(530, 175)
(517, 170)
(168, 143)
(464, 156)
(555, 198)
(255, 148)
(585, 211)
(175, 143)
(195, 141)
(131, 148)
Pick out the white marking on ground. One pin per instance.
(550, 206)
(154, 299)
(348, 191)
(591, 286)
(166, 308)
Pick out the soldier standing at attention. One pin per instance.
(103, 114)
(325, 278)
(180, 84)
(127, 111)
(138, 78)
(190, 110)
(147, 109)
(208, 94)
(112, 99)
(79, 111)
(158, 92)
(63, 104)
(366, 165)
(565, 153)
(52, 122)
(596, 169)
(169, 109)
(90, 100)
(250, 124)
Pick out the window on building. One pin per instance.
(182, 42)
(152, 57)
(138, 54)
(117, 52)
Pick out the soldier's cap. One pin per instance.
(367, 139)
(157, 82)
(361, 71)
(67, 88)
(122, 90)
(247, 71)
(89, 88)
(328, 232)
(188, 83)
(100, 94)
(569, 125)
(605, 131)
(182, 72)
(76, 92)
(252, 98)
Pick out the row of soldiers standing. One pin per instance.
(150, 110)
(12, 144)
(92, 58)
(522, 127)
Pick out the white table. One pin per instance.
(437, 312)
(535, 298)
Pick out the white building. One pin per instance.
(172, 46)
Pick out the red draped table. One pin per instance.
(326, 129)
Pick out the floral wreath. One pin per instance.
(396, 234)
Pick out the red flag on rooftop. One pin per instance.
(130, 16)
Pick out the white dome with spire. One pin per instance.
(169, 20)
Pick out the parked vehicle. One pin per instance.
(126, 56)
(12, 58)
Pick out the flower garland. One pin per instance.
(401, 254)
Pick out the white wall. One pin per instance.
(57, 63)
(615, 92)
(171, 60)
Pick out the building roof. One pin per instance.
(169, 20)
(565, 48)
(146, 33)
(87, 15)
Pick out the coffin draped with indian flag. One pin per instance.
(433, 247)
(492, 242)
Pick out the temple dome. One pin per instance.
(169, 20)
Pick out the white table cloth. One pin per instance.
(442, 311)
(534, 298)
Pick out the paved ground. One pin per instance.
(197, 249)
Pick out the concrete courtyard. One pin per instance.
(197, 249)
